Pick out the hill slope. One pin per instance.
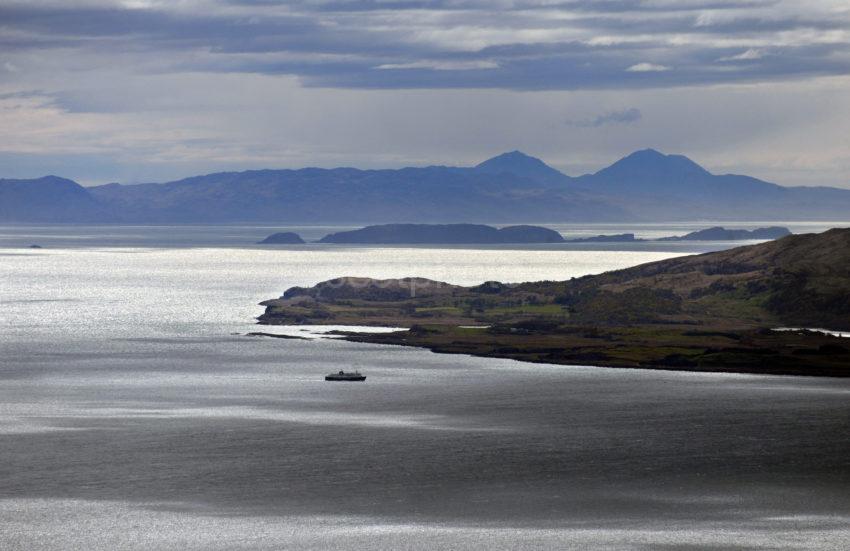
(799, 280)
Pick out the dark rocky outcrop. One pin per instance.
(282, 238)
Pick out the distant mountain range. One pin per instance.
(513, 187)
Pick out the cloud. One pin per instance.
(393, 44)
(750, 54)
(441, 65)
(624, 116)
(647, 68)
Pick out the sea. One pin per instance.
(136, 412)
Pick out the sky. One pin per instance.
(154, 90)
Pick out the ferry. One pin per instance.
(343, 376)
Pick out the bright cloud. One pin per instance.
(647, 68)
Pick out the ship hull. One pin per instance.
(345, 378)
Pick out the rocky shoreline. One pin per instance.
(805, 354)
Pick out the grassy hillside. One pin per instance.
(800, 280)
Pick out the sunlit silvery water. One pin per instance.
(135, 414)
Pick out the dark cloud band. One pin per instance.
(525, 45)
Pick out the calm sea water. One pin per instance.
(135, 414)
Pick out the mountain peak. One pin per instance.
(515, 157)
(52, 182)
(653, 165)
(52, 179)
(518, 163)
(647, 154)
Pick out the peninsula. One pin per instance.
(709, 312)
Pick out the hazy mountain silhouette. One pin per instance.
(429, 194)
(520, 164)
(509, 188)
(49, 199)
(652, 185)
(649, 171)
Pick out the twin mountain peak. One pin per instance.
(513, 187)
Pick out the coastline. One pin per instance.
(803, 353)
(784, 370)
(811, 354)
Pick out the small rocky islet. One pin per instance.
(282, 238)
